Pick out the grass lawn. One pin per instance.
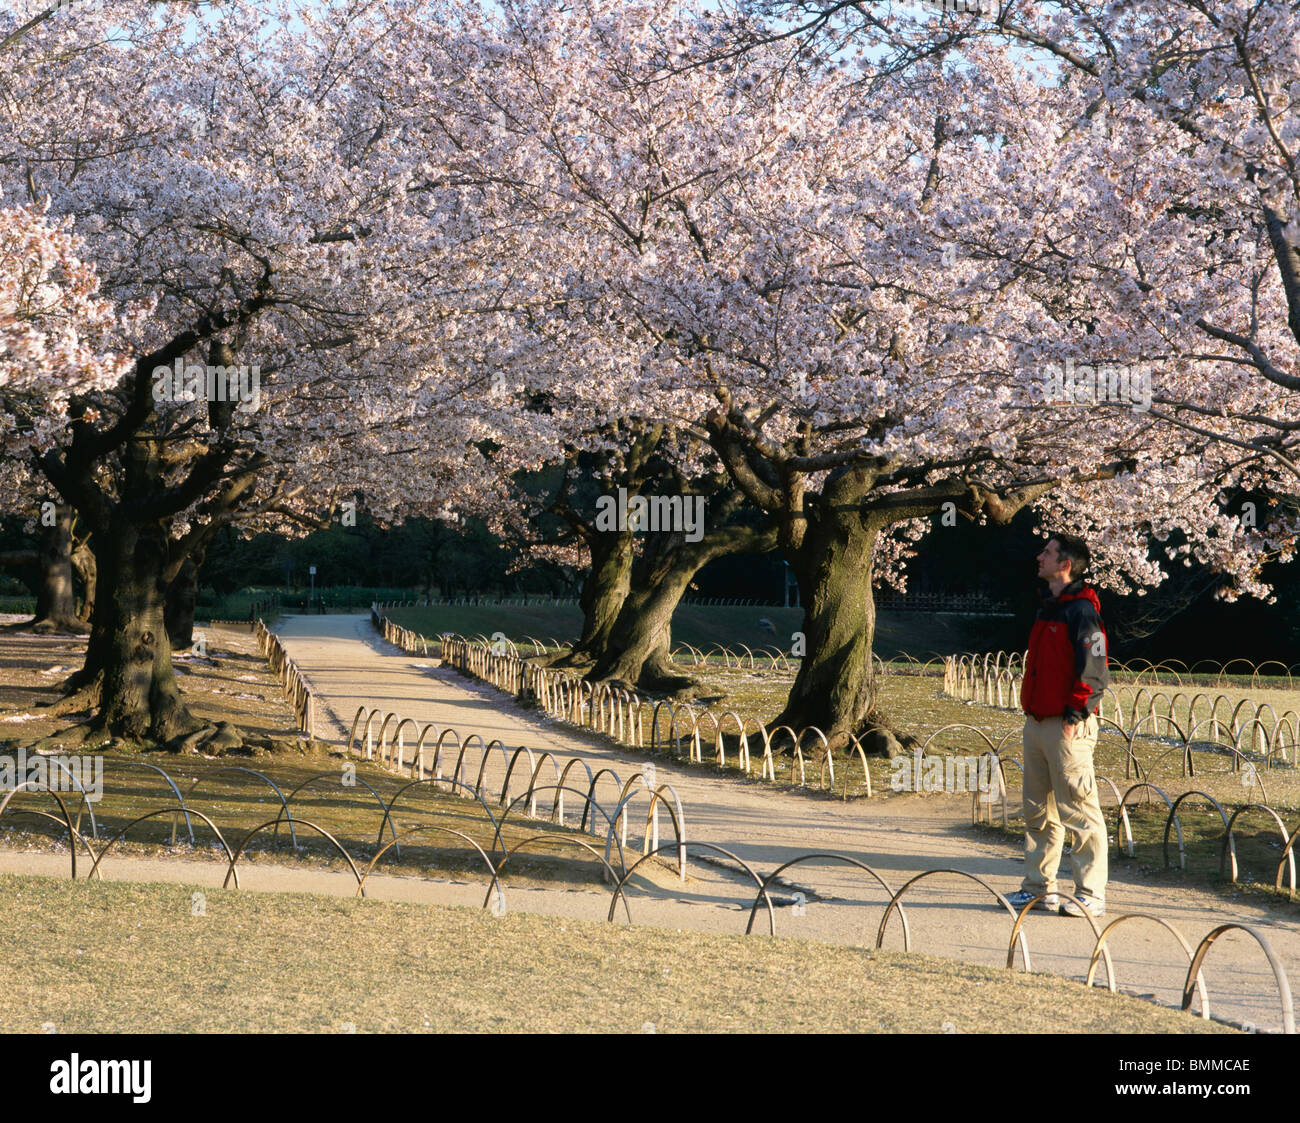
(920, 633)
(238, 801)
(117, 957)
(235, 685)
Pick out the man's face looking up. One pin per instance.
(1051, 566)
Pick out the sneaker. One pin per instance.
(1089, 906)
(1021, 897)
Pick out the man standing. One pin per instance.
(1065, 674)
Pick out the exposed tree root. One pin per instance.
(82, 735)
(59, 625)
(657, 680)
(877, 735)
(74, 701)
(575, 659)
(222, 739)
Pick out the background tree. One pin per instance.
(736, 250)
(237, 218)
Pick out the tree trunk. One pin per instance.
(56, 602)
(128, 665)
(87, 571)
(835, 688)
(637, 655)
(182, 596)
(139, 697)
(603, 594)
(605, 590)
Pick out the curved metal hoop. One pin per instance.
(762, 889)
(168, 811)
(1123, 815)
(189, 827)
(1172, 820)
(284, 806)
(388, 811)
(609, 823)
(1092, 921)
(570, 840)
(1279, 972)
(306, 823)
(619, 889)
(893, 902)
(79, 787)
(66, 821)
(495, 883)
(1228, 851)
(1099, 950)
(335, 776)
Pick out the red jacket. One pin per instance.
(1065, 666)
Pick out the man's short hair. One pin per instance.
(1075, 551)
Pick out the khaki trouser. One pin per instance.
(1060, 794)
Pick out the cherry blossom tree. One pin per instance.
(53, 322)
(232, 183)
(462, 241)
(1185, 129)
(840, 289)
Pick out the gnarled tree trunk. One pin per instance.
(835, 688)
(603, 594)
(638, 654)
(182, 596)
(139, 697)
(56, 601)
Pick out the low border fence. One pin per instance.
(292, 681)
(1194, 988)
(630, 719)
(622, 716)
(1195, 720)
(434, 747)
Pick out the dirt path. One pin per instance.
(899, 836)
